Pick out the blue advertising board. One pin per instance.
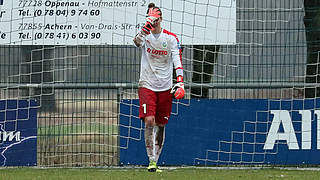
(18, 133)
(223, 131)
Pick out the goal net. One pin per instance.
(77, 61)
(275, 59)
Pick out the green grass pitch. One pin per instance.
(167, 174)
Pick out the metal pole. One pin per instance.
(223, 85)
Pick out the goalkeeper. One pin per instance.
(161, 52)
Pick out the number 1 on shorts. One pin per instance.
(144, 108)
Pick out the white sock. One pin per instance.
(149, 136)
(159, 141)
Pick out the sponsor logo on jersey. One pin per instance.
(157, 52)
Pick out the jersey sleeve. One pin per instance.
(176, 53)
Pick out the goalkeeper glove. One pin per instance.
(153, 15)
(140, 37)
(147, 28)
(152, 18)
(178, 89)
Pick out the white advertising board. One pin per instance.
(101, 22)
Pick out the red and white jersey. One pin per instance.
(159, 56)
